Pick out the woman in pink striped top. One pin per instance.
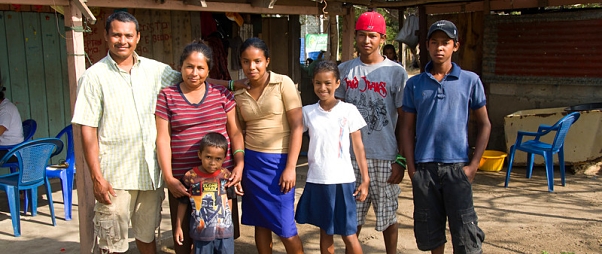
(185, 113)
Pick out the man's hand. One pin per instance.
(176, 187)
(102, 190)
(179, 235)
(287, 180)
(362, 191)
(397, 172)
(470, 171)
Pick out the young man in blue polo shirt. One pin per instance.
(436, 107)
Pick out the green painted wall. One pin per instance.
(33, 65)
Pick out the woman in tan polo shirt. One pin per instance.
(271, 116)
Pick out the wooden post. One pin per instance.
(294, 30)
(348, 35)
(401, 54)
(423, 28)
(333, 34)
(76, 66)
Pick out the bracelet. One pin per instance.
(238, 151)
(401, 160)
(231, 85)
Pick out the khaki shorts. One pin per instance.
(111, 222)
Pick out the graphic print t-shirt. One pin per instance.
(377, 91)
(211, 217)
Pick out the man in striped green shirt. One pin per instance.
(115, 107)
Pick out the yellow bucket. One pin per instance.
(492, 160)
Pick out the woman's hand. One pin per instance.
(238, 189)
(235, 177)
(287, 180)
(176, 188)
(241, 84)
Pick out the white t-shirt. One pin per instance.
(11, 120)
(328, 157)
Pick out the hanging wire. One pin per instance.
(324, 8)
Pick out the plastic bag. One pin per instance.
(407, 34)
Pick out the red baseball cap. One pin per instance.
(371, 21)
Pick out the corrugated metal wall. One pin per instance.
(540, 61)
(537, 48)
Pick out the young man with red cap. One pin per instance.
(374, 84)
(436, 107)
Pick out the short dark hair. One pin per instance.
(122, 16)
(197, 46)
(327, 66)
(256, 43)
(214, 139)
(391, 47)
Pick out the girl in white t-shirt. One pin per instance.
(329, 196)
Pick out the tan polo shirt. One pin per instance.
(265, 120)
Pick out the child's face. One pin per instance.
(325, 84)
(441, 47)
(212, 158)
(368, 42)
(390, 54)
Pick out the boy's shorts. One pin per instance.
(111, 222)
(217, 246)
(442, 191)
(382, 195)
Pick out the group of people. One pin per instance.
(146, 126)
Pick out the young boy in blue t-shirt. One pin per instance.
(436, 107)
(211, 226)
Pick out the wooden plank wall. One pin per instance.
(163, 34)
(33, 66)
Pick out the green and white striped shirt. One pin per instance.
(122, 106)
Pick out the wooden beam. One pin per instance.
(348, 34)
(36, 2)
(263, 3)
(499, 5)
(407, 3)
(211, 7)
(85, 11)
(76, 66)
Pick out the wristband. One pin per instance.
(231, 85)
(238, 151)
(401, 161)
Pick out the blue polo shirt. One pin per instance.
(442, 110)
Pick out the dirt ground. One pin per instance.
(524, 218)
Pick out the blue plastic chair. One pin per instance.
(32, 159)
(66, 171)
(546, 150)
(29, 129)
